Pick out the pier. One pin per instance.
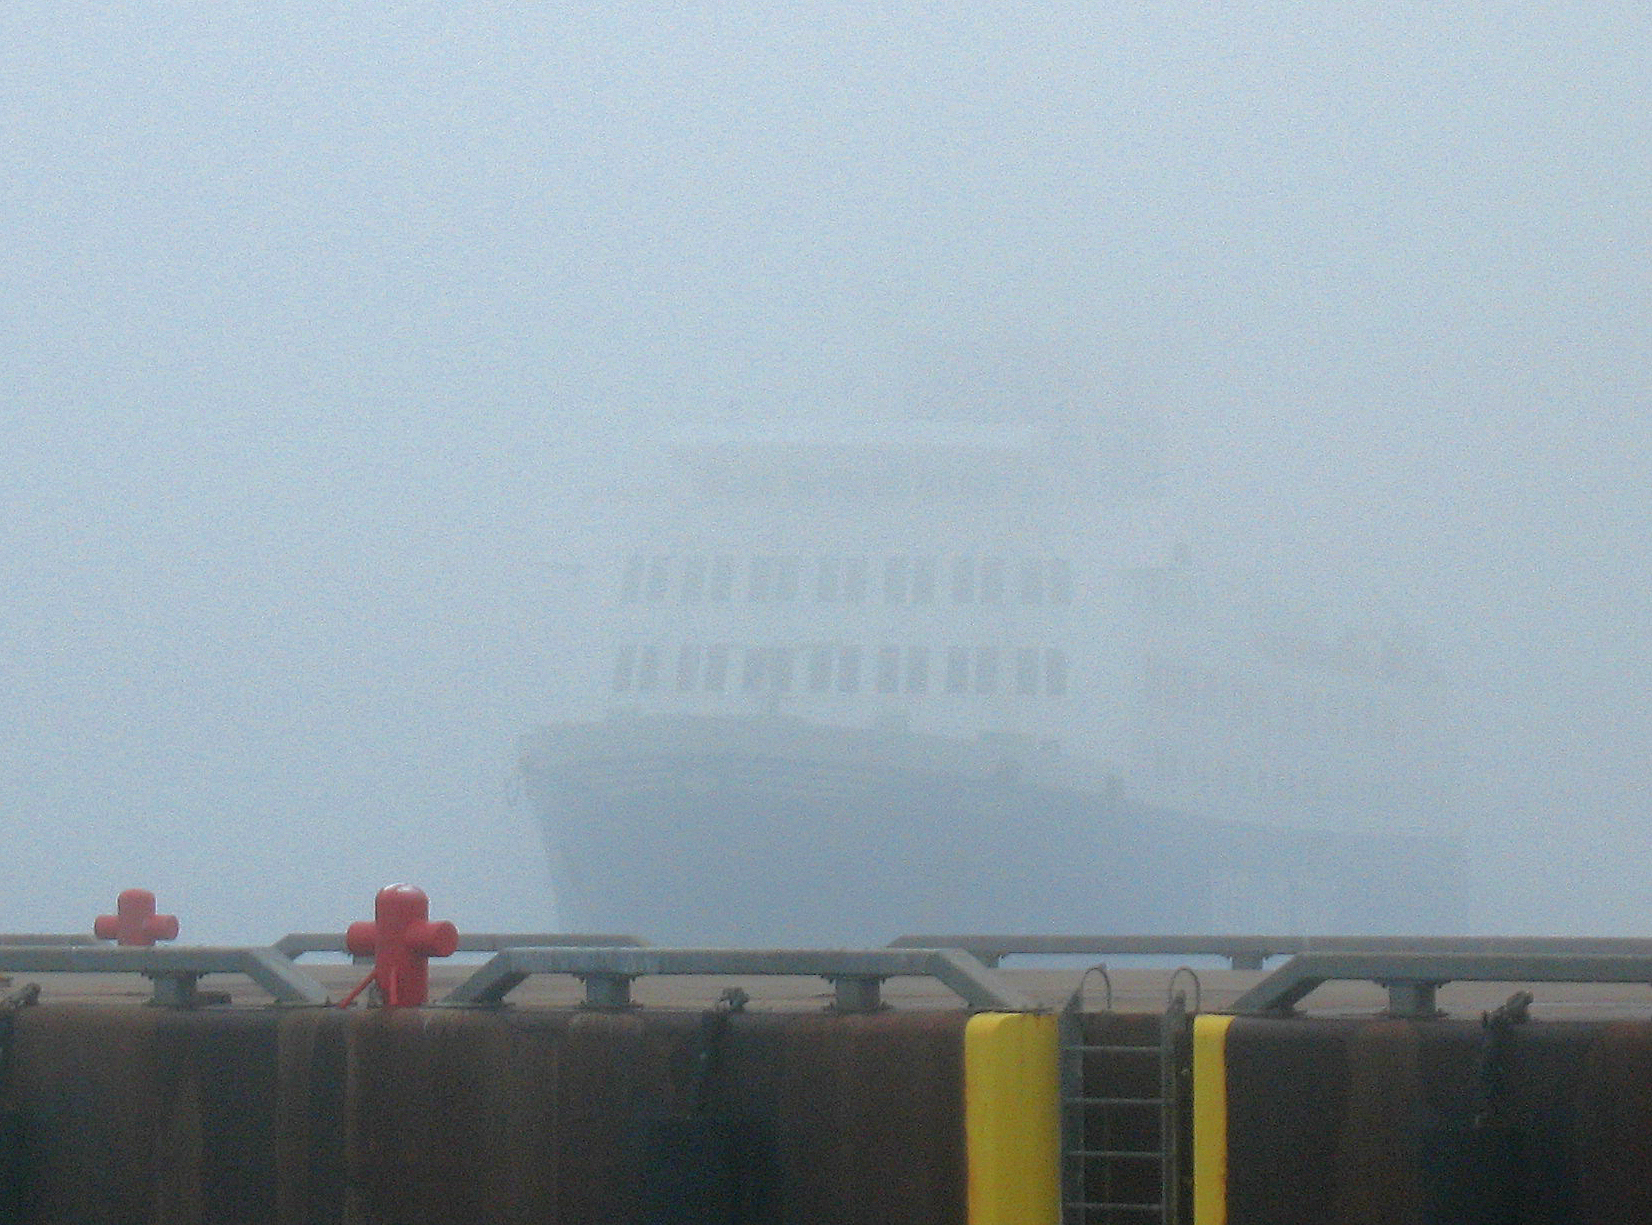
(545, 1078)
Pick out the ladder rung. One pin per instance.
(1104, 1207)
(1111, 1050)
(1113, 1101)
(1135, 1154)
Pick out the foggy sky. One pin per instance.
(313, 316)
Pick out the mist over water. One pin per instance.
(319, 325)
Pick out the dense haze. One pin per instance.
(314, 316)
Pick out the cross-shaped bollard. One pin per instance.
(402, 938)
(135, 921)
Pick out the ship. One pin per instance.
(833, 689)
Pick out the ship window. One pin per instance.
(780, 669)
(1060, 581)
(992, 580)
(986, 670)
(688, 667)
(722, 579)
(854, 580)
(658, 572)
(694, 579)
(917, 669)
(762, 578)
(895, 575)
(625, 662)
(753, 669)
(648, 668)
(785, 578)
(923, 580)
(631, 584)
(1032, 581)
(848, 670)
(889, 669)
(1026, 670)
(826, 580)
(716, 674)
(963, 580)
(820, 669)
(957, 669)
(1055, 671)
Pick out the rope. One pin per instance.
(357, 989)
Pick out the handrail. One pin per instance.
(297, 944)
(856, 974)
(1413, 978)
(1248, 952)
(174, 969)
(37, 939)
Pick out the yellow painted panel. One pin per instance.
(1210, 1120)
(1012, 1119)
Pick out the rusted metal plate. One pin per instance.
(559, 1115)
(1337, 1122)
(319, 1115)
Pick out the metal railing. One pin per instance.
(1249, 952)
(856, 975)
(297, 944)
(36, 939)
(175, 970)
(608, 970)
(1413, 978)
(1411, 969)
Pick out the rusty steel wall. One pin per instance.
(559, 1117)
(1344, 1122)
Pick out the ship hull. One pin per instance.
(691, 830)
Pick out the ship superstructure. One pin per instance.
(928, 580)
(971, 674)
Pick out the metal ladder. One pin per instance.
(1121, 1118)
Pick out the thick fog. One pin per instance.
(319, 323)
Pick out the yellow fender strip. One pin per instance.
(1012, 1119)
(1210, 1120)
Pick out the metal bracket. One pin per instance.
(179, 990)
(607, 990)
(1412, 998)
(853, 993)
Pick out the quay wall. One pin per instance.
(554, 1116)
(1308, 1121)
(666, 1116)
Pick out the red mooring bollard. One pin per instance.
(402, 938)
(135, 921)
